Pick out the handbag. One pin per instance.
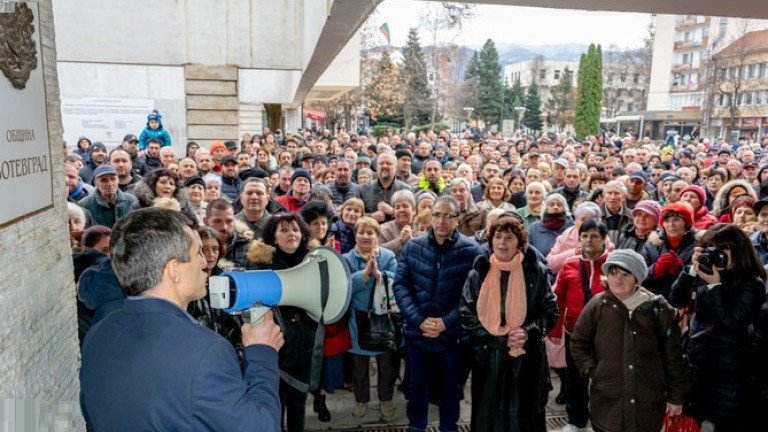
(556, 351)
(378, 332)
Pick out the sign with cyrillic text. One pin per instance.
(26, 183)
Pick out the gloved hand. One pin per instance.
(668, 264)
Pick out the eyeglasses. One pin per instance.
(618, 271)
(443, 216)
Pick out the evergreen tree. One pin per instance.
(417, 105)
(532, 116)
(590, 92)
(513, 97)
(471, 87)
(383, 95)
(489, 72)
(561, 99)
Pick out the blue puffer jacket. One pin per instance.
(760, 242)
(429, 283)
(160, 133)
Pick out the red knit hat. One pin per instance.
(217, 145)
(699, 191)
(681, 208)
(743, 200)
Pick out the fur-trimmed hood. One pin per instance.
(146, 195)
(262, 254)
(719, 205)
(243, 230)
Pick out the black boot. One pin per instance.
(321, 409)
(560, 398)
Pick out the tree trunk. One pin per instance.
(274, 116)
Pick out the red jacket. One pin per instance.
(569, 292)
(289, 203)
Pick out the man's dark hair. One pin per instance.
(593, 224)
(217, 204)
(118, 149)
(154, 140)
(431, 159)
(143, 242)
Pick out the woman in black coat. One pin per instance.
(285, 243)
(510, 376)
(726, 303)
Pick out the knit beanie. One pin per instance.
(650, 207)
(742, 201)
(681, 208)
(401, 153)
(217, 145)
(699, 191)
(301, 172)
(628, 260)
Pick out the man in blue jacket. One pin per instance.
(151, 366)
(428, 286)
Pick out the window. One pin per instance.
(609, 78)
(623, 78)
(630, 94)
(687, 37)
(636, 78)
(731, 73)
(686, 58)
(723, 25)
(630, 107)
(749, 71)
(557, 73)
(721, 73)
(542, 74)
(763, 70)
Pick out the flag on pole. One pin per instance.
(384, 29)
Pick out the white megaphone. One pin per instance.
(320, 285)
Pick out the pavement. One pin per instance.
(340, 405)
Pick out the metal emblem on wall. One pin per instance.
(18, 52)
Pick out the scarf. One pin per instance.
(515, 304)
(553, 221)
(78, 190)
(674, 241)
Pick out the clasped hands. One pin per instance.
(432, 327)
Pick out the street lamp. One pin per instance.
(520, 112)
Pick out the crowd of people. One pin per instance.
(633, 268)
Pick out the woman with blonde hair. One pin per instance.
(496, 196)
(369, 266)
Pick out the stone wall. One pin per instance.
(39, 354)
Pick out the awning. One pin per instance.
(314, 114)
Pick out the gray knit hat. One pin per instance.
(628, 260)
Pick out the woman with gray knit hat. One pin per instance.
(628, 343)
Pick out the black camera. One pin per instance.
(712, 257)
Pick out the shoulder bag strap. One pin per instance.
(585, 282)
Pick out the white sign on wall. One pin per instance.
(104, 119)
(25, 156)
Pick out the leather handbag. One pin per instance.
(556, 351)
(679, 424)
(375, 332)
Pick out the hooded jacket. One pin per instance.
(107, 213)
(657, 245)
(100, 291)
(569, 290)
(160, 133)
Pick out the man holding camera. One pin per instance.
(151, 366)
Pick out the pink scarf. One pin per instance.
(515, 304)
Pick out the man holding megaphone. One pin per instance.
(151, 366)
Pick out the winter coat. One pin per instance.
(510, 393)
(372, 193)
(86, 172)
(344, 234)
(130, 187)
(146, 197)
(630, 240)
(390, 237)
(618, 221)
(289, 202)
(361, 291)
(634, 362)
(341, 194)
(543, 238)
(108, 213)
(656, 246)
(702, 219)
(487, 205)
(100, 291)
(230, 186)
(429, 282)
(148, 164)
(571, 196)
(299, 330)
(160, 134)
(760, 242)
(569, 290)
(718, 348)
(471, 220)
(565, 245)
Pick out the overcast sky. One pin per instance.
(522, 25)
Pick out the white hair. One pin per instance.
(211, 178)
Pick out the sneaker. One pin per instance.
(360, 409)
(387, 411)
(571, 428)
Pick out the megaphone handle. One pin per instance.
(255, 314)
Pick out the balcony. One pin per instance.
(676, 88)
(685, 23)
(691, 44)
(682, 67)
